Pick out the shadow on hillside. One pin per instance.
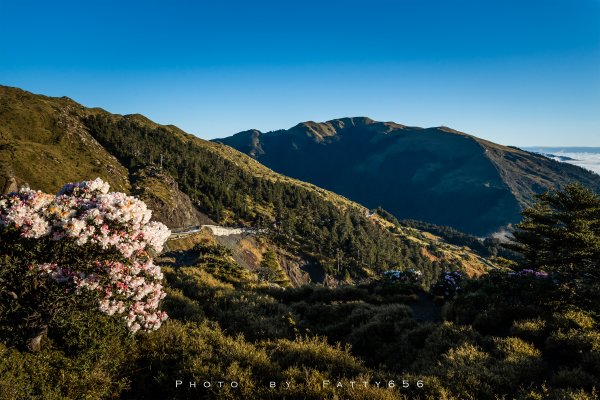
(316, 272)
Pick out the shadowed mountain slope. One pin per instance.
(437, 175)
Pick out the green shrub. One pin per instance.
(182, 308)
(27, 376)
(468, 368)
(385, 326)
(518, 362)
(445, 337)
(534, 330)
(197, 352)
(546, 393)
(250, 312)
(98, 372)
(314, 352)
(574, 318)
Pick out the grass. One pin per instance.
(45, 145)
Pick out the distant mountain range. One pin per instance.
(438, 175)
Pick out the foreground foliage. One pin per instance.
(520, 334)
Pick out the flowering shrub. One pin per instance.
(529, 273)
(408, 276)
(448, 284)
(92, 241)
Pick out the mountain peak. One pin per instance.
(248, 142)
(352, 121)
(320, 131)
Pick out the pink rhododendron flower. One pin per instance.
(86, 213)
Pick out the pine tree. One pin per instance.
(271, 270)
(561, 233)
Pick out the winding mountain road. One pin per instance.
(215, 229)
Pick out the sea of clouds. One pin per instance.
(585, 157)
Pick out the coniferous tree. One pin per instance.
(271, 269)
(561, 233)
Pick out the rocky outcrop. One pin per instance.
(9, 185)
(169, 205)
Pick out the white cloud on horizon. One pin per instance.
(589, 161)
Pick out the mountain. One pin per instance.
(45, 142)
(437, 175)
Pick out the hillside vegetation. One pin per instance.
(530, 334)
(44, 143)
(330, 232)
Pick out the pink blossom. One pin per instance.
(86, 213)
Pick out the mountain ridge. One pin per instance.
(368, 161)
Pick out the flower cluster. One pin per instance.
(85, 213)
(448, 284)
(408, 276)
(529, 273)
(24, 211)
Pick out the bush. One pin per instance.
(518, 362)
(493, 302)
(198, 352)
(84, 247)
(437, 341)
(576, 378)
(534, 330)
(97, 370)
(574, 318)
(252, 313)
(314, 352)
(468, 368)
(386, 325)
(570, 346)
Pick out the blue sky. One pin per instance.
(515, 72)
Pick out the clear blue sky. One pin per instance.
(517, 72)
